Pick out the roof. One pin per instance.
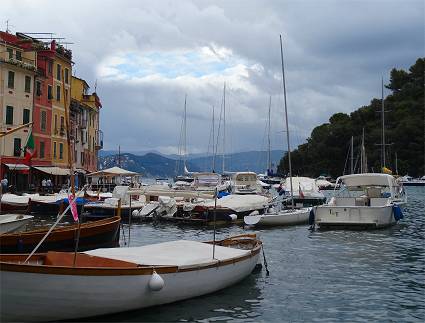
(368, 179)
(181, 253)
(113, 171)
(53, 170)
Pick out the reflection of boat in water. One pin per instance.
(365, 200)
(96, 234)
(51, 286)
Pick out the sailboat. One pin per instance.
(279, 216)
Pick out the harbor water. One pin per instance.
(329, 276)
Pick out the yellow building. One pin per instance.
(87, 137)
(62, 73)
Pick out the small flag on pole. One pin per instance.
(300, 192)
(73, 204)
(29, 148)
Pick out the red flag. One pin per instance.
(29, 148)
(74, 210)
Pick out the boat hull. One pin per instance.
(97, 234)
(15, 224)
(354, 216)
(69, 296)
(282, 218)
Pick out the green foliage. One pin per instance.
(327, 148)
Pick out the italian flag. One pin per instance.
(29, 148)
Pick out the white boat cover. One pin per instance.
(16, 199)
(240, 203)
(307, 185)
(181, 253)
(368, 179)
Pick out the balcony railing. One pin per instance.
(22, 62)
(99, 140)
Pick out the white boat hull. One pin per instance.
(285, 217)
(351, 216)
(13, 222)
(61, 297)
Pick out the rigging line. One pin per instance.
(218, 130)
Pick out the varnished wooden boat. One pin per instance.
(52, 287)
(95, 234)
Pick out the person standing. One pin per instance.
(43, 185)
(4, 184)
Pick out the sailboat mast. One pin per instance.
(352, 155)
(396, 167)
(224, 122)
(213, 139)
(383, 123)
(269, 159)
(184, 134)
(286, 120)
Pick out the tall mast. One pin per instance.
(224, 122)
(269, 159)
(213, 139)
(286, 120)
(184, 135)
(383, 124)
(396, 168)
(352, 155)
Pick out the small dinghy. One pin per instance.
(13, 222)
(278, 218)
(56, 286)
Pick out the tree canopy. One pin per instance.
(326, 150)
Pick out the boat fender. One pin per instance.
(311, 217)
(397, 212)
(233, 217)
(156, 283)
(135, 213)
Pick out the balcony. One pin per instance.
(62, 131)
(99, 140)
(22, 62)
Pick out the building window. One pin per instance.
(62, 129)
(9, 114)
(18, 55)
(54, 149)
(26, 116)
(27, 84)
(66, 95)
(11, 80)
(50, 67)
(49, 92)
(43, 121)
(60, 150)
(66, 75)
(38, 88)
(82, 159)
(17, 147)
(42, 149)
(58, 92)
(58, 72)
(10, 51)
(56, 124)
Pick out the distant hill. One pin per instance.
(156, 165)
(149, 165)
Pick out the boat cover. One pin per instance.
(181, 253)
(240, 203)
(368, 179)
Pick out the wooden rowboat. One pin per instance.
(49, 287)
(95, 234)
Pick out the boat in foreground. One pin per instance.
(94, 234)
(370, 200)
(104, 281)
(13, 222)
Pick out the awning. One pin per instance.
(53, 170)
(113, 171)
(17, 167)
(81, 171)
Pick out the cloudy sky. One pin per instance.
(147, 55)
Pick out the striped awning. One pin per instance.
(53, 170)
(17, 167)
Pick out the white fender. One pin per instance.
(156, 283)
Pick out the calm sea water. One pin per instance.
(332, 276)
